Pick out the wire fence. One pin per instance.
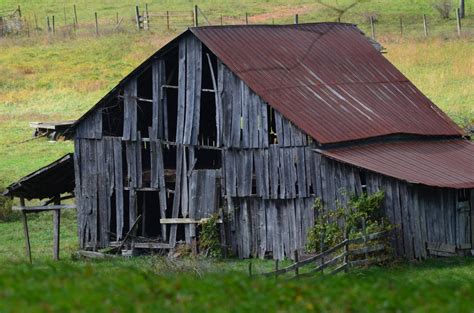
(148, 18)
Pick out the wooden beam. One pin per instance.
(185, 221)
(42, 208)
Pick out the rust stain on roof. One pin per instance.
(328, 79)
(447, 164)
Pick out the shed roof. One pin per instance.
(447, 163)
(49, 181)
(328, 79)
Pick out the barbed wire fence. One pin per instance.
(66, 22)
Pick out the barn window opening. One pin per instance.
(207, 118)
(207, 159)
(146, 164)
(112, 118)
(272, 134)
(144, 102)
(363, 181)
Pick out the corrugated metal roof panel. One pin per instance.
(447, 164)
(327, 79)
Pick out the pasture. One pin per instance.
(44, 78)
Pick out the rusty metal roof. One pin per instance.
(326, 78)
(447, 163)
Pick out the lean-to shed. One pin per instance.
(258, 121)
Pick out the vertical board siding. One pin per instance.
(130, 111)
(159, 119)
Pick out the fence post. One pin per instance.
(196, 22)
(116, 18)
(246, 18)
(364, 236)
(297, 270)
(75, 15)
(296, 19)
(346, 248)
(65, 19)
(96, 24)
(425, 25)
(321, 250)
(458, 21)
(36, 23)
(401, 26)
(167, 20)
(137, 16)
(147, 17)
(49, 25)
(372, 27)
(27, 28)
(276, 268)
(54, 29)
(222, 20)
(19, 11)
(250, 268)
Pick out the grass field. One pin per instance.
(54, 78)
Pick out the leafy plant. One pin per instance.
(330, 225)
(209, 237)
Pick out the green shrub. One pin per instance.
(6, 212)
(209, 242)
(330, 225)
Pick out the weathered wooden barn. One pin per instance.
(255, 123)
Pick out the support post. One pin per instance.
(372, 27)
(276, 268)
(246, 18)
(36, 23)
(96, 24)
(458, 21)
(167, 20)
(116, 18)
(250, 268)
(296, 19)
(19, 10)
(49, 25)
(54, 29)
(425, 25)
(222, 20)
(196, 22)
(57, 226)
(25, 230)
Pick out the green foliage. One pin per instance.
(209, 237)
(330, 225)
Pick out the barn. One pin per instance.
(255, 123)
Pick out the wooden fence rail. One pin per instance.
(318, 262)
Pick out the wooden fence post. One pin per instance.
(364, 236)
(116, 18)
(246, 18)
(167, 20)
(75, 15)
(425, 25)
(372, 27)
(222, 20)
(57, 227)
(147, 17)
(458, 21)
(137, 16)
(196, 21)
(276, 268)
(401, 26)
(25, 230)
(96, 24)
(54, 29)
(250, 268)
(296, 19)
(36, 23)
(321, 250)
(297, 270)
(19, 11)
(49, 25)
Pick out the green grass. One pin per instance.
(145, 285)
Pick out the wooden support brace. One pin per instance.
(25, 231)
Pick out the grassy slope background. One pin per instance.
(62, 77)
